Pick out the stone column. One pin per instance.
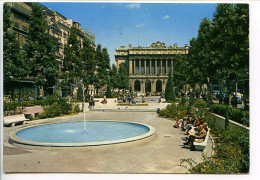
(153, 85)
(155, 66)
(132, 84)
(164, 85)
(130, 63)
(145, 66)
(160, 66)
(142, 86)
(134, 65)
(150, 66)
(166, 66)
(140, 70)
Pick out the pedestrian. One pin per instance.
(226, 100)
(220, 98)
(234, 101)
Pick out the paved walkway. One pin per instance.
(160, 153)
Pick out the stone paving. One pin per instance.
(160, 153)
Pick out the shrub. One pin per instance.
(108, 93)
(169, 91)
(10, 106)
(173, 111)
(237, 115)
(64, 106)
(76, 109)
(231, 151)
(27, 103)
(200, 104)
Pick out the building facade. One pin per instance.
(59, 28)
(148, 67)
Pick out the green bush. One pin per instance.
(27, 103)
(173, 111)
(51, 111)
(76, 109)
(231, 151)
(236, 115)
(200, 104)
(10, 106)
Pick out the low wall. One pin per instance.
(221, 122)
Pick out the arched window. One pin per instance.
(158, 86)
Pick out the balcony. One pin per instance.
(17, 7)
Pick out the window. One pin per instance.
(16, 24)
(25, 28)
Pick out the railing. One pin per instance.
(21, 9)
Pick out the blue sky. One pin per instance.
(121, 24)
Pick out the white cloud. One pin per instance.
(166, 17)
(132, 6)
(139, 25)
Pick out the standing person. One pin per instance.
(234, 101)
(220, 98)
(226, 100)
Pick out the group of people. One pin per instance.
(225, 100)
(194, 127)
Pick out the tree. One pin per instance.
(40, 50)
(231, 30)
(113, 76)
(103, 66)
(88, 62)
(181, 75)
(123, 79)
(169, 91)
(72, 64)
(108, 93)
(16, 65)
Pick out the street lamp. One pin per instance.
(83, 105)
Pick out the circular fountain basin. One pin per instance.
(72, 134)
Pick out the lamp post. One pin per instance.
(83, 105)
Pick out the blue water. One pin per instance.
(74, 132)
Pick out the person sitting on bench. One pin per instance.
(199, 137)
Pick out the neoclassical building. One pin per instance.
(148, 67)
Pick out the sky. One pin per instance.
(139, 24)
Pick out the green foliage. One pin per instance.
(40, 49)
(72, 63)
(113, 76)
(87, 55)
(184, 101)
(76, 109)
(55, 107)
(173, 111)
(10, 106)
(108, 93)
(226, 119)
(169, 91)
(237, 115)
(80, 94)
(200, 104)
(14, 61)
(123, 79)
(192, 99)
(231, 151)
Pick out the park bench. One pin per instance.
(201, 146)
(14, 119)
(33, 111)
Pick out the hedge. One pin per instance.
(231, 151)
(236, 115)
